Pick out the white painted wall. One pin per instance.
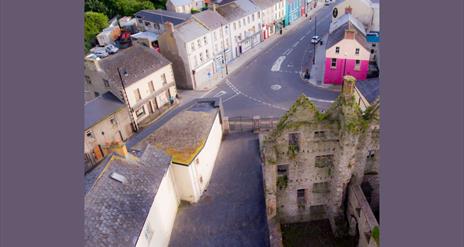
(188, 177)
(348, 49)
(158, 226)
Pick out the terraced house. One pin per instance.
(139, 76)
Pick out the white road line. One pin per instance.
(231, 97)
(277, 63)
(220, 93)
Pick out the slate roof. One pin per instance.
(211, 19)
(369, 88)
(264, 4)
(180, 2)
(190, 30)
(100, 108)
(115, 212)
(139, 61)
(184, 135)
(348, 18)
(237, 9)
(339, 34)
(161, 16)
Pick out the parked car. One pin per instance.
(315, 39)
(100, 53)
(111, 49)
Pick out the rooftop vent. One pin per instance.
(118, 177)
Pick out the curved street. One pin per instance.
(270, 82)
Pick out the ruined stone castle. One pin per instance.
(311, 157)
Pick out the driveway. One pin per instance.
(232, 210)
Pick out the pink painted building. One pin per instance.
(347, 53)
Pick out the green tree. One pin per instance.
(130, 7)
(94, 23)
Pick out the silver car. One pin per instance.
(100, 53)
(111, 49)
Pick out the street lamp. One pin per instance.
(135, 127)
(315, 34)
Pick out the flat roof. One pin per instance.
(184, 135)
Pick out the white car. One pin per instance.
(111, 49)
(100, 53)
(315, 39)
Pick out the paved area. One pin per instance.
(232, 210)
(313, 234)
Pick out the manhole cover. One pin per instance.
(276, 87)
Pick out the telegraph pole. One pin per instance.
(126, 99)
(315, 33)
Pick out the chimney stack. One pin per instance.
(119, 148)
(348, 10)
(348, 85)
(214, 6)
(350, 34)
(169, 26)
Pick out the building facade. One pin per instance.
(294, 10)
(189, 46)
(311, 157)
(272, 14)
(139, 76)
(184, 6)
(106, 120)
(347, 53)
(244, 19)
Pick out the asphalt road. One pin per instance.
(264, 88)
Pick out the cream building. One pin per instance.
(189, 47)
(272, 14)
(139, 76)
(106, 120)
(192, 138)
(245, 23)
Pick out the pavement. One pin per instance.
(232, 210)
(317, 70)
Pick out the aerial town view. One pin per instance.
(231, 123)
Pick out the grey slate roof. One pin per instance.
(190, 30)
(369, 88)
(264, 4)
(115, 212)
(161, 16)
(139, 61)
(237, 9)
(100, 108)
(212, 20)
(180, 2)
(338, 34)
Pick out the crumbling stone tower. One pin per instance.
(311, 157)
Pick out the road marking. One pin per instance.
(276, 87)
(220, 93)
(232, 86)
(231, 97)
(277, 63)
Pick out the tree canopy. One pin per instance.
(93, 24)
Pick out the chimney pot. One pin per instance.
(169, 26)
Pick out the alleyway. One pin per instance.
(232, 211)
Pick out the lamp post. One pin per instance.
(315, 34)
(135, 127)
(224, 50)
